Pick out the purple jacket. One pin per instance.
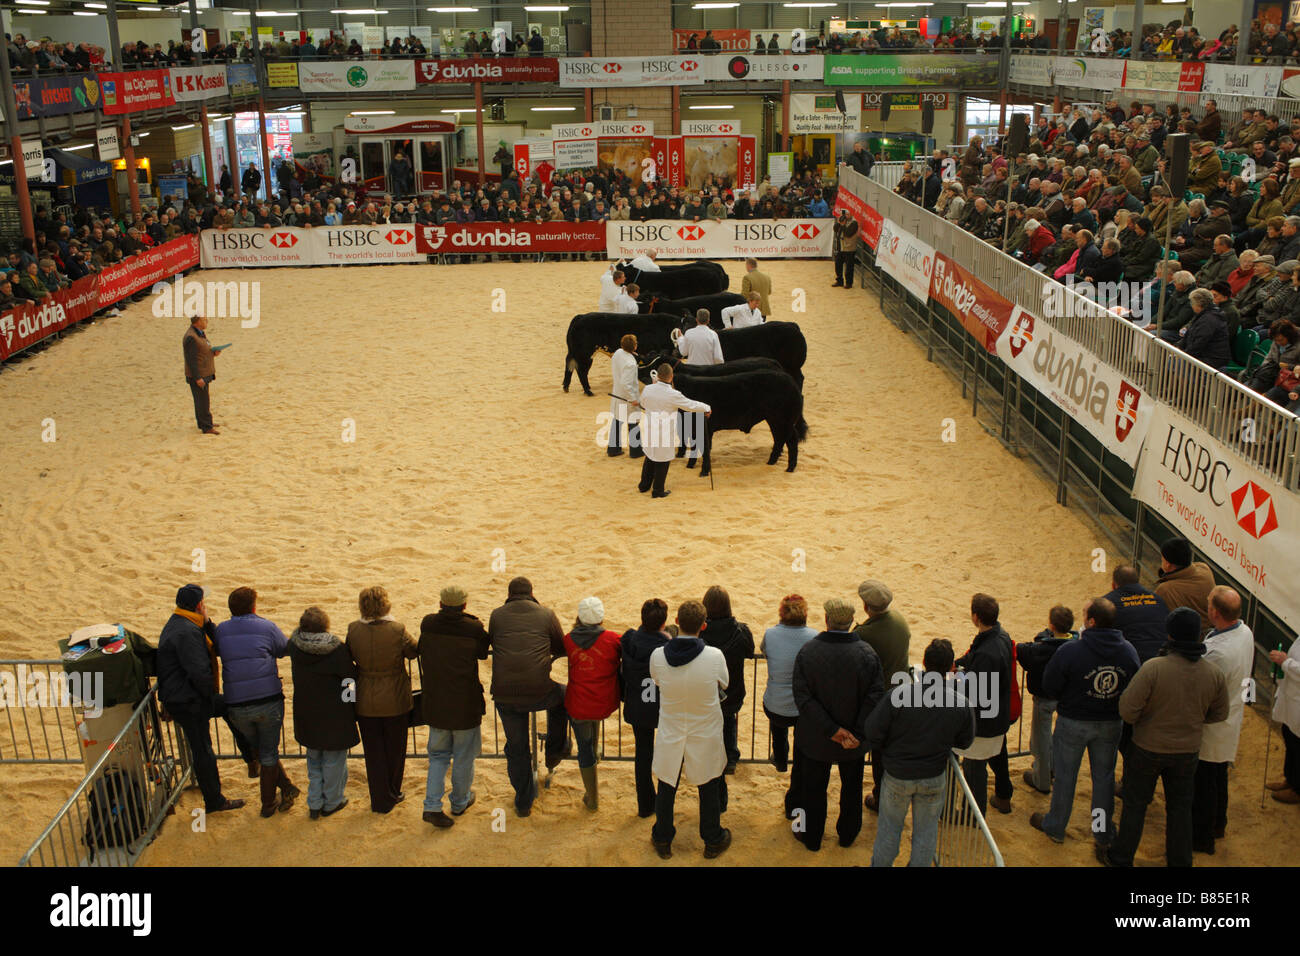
(248, 646)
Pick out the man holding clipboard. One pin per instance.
(200, 370)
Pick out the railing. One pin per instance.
(964, 837)
(40, 717)
(114, 813)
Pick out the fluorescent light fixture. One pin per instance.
(909, 4)
(810, 4)
(33, 3)
(143, 135)
(95, 6)
(73, 149)
(463, 109)
(548, 9)
(84, 13)
(360, 11)
(708, 6)
(32, 13)
(296, 106)
(719, 106)
(177, 129)
(452, 9)
(372, 112)
(552, 109)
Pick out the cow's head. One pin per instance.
(647, 363)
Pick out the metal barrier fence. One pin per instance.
(964, 837)
(116, 810)
(40, 716)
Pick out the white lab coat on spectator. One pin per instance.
(741, 316)
(644, 263)
(626, 387)
(660, 403)
(609, 292)
(689, 738)
(624, 303)
(700, 346)
(1286, 701)
(1233, 652)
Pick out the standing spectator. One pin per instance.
(380, 647)
(846, 249)
(1231, 647)
(593, 690)
(690, 676)
(1286, 711)
(1034, 658)
(249, 646)
(1140, 614)
(734, 639)
(324, 716)
(837, 682)
(915, 743)
(780, 644)
(1184, 582)
(200, 370)
(755, 281)
(525, 638)
(885, 632)
(1086, 677)
(451, 644)
(251, 181)
(989, 662)
(187, 689)
(1168, 703)
(640, 697)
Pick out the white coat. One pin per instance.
(1286, 701)
(741, 316)
(659, 405)
(689, 738)
(644, 264)
(622, 369)
(1233, 652)
(624, 303)
(609, 291)
(700, 346)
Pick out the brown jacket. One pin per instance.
(380, 650)
(1203, 176)
(1189, 587)
(758, 282)
(1170, 701)
(1209, 127)
(198, 356)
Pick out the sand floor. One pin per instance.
(470, 464)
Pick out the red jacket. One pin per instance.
(594, 684)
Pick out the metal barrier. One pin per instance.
(117, 809)
(40, 717)
(964, 837)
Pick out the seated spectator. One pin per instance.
(1222, 262)
(1206, 335)
(1275, 377)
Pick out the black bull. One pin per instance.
(687, 307)
(678, 282)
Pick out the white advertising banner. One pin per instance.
(604, 128)
(322, 246)
(193, 83)
(710, 127)
(819, 113)
(356, 76)
(725, 239)
(372, 37)
(33, 159)
(632, 71)
(1221, 78)
(1091, 73)
(1239, 517)
(1114, 410)
(748, 66)
(1031, 69)
(906, 258)
(106, 142)
(575, 153)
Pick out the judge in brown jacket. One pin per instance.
(200, 370)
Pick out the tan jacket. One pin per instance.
(380, 650)
(199, 361)
(762, 284)
(1170, 701)
(1203, 175)
(1189, 587)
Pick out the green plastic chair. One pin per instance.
(1243, 349)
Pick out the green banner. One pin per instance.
(919, 69)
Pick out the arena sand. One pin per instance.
(471, 465)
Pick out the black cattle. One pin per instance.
(740, 399)
(782, 341)
(696, 371)
(679, 282)
(687, 307)
(604, 330)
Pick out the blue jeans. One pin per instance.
(261, 724)
(925, 797)
(457, 748)
(1101, 739)
(585, 733)
(1040, 742)
(327, 778)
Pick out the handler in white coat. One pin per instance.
(660, 403)
(700, 345)
(626, 303)
(645, 262)
(1286, 711)
(610, 289)
(625, 394)
(743, 316)
(1231, 647)
(688, 744)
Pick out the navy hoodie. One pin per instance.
(1087, 676)
(638, 645)
(1140, 614)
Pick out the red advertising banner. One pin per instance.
(869, 221)
(747, 161)
(511, 237)
(676, 162)
(982, 311)
(541, 69)
(522, 166)
(139, 90)
(28, 324)
(732, 41)
(659, 153)
(1190, 77)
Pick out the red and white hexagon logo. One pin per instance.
(691, 232)
(724, 128)
(586, 131)
(638, 128)
(284, 240)
(805, 230)
(612, 67)
(689, 66)
(1253, 507)
(398, 237)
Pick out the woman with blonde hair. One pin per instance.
(780, 645)
(380, 647)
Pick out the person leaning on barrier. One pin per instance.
(886, 632)
(1184, 582)
(324, 715)
(914, 743)
(452, 642)
(594, 688)
(780, 644)
(380, 647)
(736, 642)
(1034, 657)
(187, 683)
(988, 663)
(640, 699)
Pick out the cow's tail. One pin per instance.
(801, 426)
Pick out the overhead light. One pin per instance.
(372, 112)
(547, 9)
(362, 12)
(177, 129)
(73, 149)
(217, 117)
(84, 13)
(143, 135)
(553, 109)
(34, 13)
(463, 109)
(266, 13)
(296, 106)
(719, 106)
(452, 9)
(33, 3)
(96, 6)
(810, 4)
(711, 6)
(909, 4)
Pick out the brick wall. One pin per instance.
(634, 28)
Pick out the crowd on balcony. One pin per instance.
(1089, 203)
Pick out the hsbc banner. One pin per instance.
(632, 71)
(541, 69)
(193, 83)
(726, 239)
(906, 258)
(1116, 411)
(1241, 518)
(511, 237)
(321, 246)
(356, 76)
(982, 311)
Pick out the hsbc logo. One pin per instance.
(691, 232)
(725, 128)
(1253, 507)
(805, 230)
(587, 131)
(399, 237)
(284, 240)
(612, 67)
(638, 128)
(690, 66)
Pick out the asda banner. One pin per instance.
(725, 239)
(1116, 411)
(906, 258)
(910, 69)
(357, 76)
(1241, 518)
